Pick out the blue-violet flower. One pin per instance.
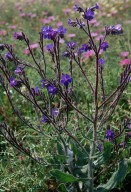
(110, 134)
(65, 79)
(44, 119)
(52, 89)
(104, 46)
(77, 8)
(8, 56)
(18, 35)
(55, 112)
(71, 45)
(89, 15)
(14, 82)
(101, 62)
(19, 71)
(35, 91)
(49, 47)
(61, 31)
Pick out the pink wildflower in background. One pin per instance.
(66, 11)
(124, 54)
(71, 35)
(22, 14)
(2, 22)
(93, 34)
(59, 24)
(12, 27)
(99, 37)
(125, 62)
(32, 46)
(46, 21)
(3, 32)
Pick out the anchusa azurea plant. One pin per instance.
(78, 158)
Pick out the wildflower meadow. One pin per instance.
(65, 96)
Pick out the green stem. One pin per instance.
(94, 136)
(90, 164)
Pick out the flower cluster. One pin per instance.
(101, 62)
(89, 14)
(19, 71)
(84, 48)
(52, 89)
(110, 134)
(71, 45)
(8, 56)
(65, 79)
(113, 30)
(14, 82)
(49, 33)
(104, 46)
(35, 91)
(45, 119)
(18, 35)
(76, 23)
(49, 47)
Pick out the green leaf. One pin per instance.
(105, 156)
(62, 188)
(63, 177)
(60, 148)
(116, 178)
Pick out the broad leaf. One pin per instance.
(62, 188)
(63, 177)
(116, 178)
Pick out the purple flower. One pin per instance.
(75, 23)
(53, 34)
(49, 47)
(19, 71)
(71, 45)
(8, 56)
(65, 79)
(110, 134)
(14, 82)
(35, 91)
(66, 54)
(84, 48)
(95, 7)
(104, 46)
(72, 23)
(114, 30)
(18, 35)
(89, 15)
(61, 31)
(44, 119)
(49, 33)
(44, 83)
(77, 8)
(46, 32)
(2, 47)
(101, 62)
(51, 89)
(55, 112)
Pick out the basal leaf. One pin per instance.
(116, 178)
